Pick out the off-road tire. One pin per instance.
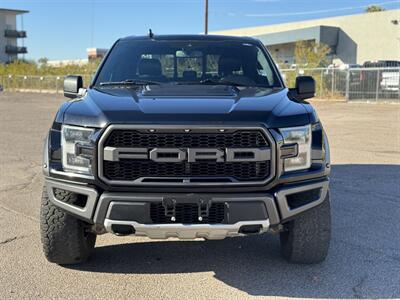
(65, 239)
(306, 239)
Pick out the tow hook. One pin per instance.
(169, 206)
(203, 209)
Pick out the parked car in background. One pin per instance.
(390, 77)
(354, 75)
(381, 76)
(374, 79)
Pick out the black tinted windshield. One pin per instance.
(189, 62)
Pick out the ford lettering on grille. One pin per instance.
(190, 154)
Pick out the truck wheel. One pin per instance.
(306, 238)
(65, 239)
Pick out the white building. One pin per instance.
(10, 46)
(67, 62)
(352, 39)
(94, 53)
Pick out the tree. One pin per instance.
(374, 8)
(43, 60)
(311, 54)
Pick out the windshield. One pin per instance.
(188, 62)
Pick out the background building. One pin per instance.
(67, 62)
(9, 35)
(352, 39)
(94, 53)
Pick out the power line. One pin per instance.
(92, 24)
(206, 17)
(319, 11)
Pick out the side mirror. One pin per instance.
(305, 87)
(72, 84)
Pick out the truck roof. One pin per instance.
(192, 37)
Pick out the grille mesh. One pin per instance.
(239, 139)
(132, 169)
(187, 213)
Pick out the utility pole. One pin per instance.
(206, 18)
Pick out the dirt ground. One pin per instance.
(364, 259)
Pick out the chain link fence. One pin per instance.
(40, 84)
(355, 84)
(363, 84)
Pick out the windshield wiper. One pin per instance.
(220, 82)
(232, 83)
(130, 82)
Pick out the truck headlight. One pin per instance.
(296, 150)
(77, 149)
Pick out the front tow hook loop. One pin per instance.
(203, 209)
(169, 206)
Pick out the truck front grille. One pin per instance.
(139, 171)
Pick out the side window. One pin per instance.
(263, 68)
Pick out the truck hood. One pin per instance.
(267, 107)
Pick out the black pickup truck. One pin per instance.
(186, 136)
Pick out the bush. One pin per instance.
(22, 74)
(30, 68)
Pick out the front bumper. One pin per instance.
(190, 231)
(272, 209)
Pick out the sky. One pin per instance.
(63, 29)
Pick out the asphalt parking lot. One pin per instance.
(364, 259)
